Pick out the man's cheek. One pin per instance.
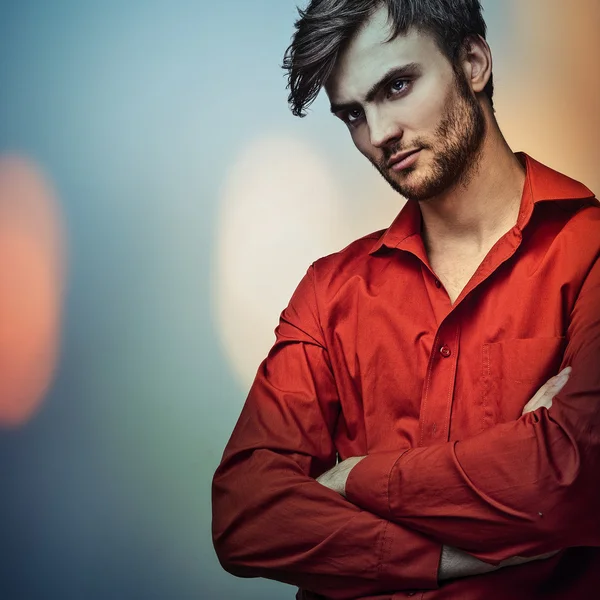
(362, 142)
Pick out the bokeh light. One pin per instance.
(277, 191)
(31, 283)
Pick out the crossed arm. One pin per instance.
(454, 562)
(272, 518)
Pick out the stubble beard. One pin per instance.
(456, 150)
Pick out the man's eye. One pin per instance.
(353, 115)
(398, 86)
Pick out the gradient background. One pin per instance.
(192, 203)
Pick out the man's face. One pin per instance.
(407, 110)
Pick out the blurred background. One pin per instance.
(158, 205)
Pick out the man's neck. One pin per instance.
(474, 216)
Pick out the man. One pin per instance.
(412, 356)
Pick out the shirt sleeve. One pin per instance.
(270, 517)
(522, 488)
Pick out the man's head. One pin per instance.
(404, 75)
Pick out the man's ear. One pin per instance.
(476, 60)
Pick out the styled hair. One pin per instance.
(325, 26)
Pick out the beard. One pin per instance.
(456, 149)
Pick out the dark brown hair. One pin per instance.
(326, 25)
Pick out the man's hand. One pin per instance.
(543, 397)
(456, 563)
(335, 479)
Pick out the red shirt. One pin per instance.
(372, 359)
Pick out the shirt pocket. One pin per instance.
(512, 371)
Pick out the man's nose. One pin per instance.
(383, 128)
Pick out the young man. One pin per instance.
(413, 355)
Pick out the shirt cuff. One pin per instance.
(413, 554)
(368, 483)
(367, 487)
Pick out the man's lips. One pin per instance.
(403, 159)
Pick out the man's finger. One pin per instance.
(543, 397)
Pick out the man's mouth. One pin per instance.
(402, 160)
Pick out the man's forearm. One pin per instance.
(455, 563)
(271, 520)
(528, 503)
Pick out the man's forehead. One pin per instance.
(369, 54)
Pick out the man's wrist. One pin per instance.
(455, 563)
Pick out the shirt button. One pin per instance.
(438, 283)
(445, 351)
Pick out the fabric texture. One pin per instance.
(371, 358)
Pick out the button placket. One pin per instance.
(437, 399)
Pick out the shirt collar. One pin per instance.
(541, 184)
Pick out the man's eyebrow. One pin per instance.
(393, 73)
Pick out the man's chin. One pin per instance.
(407, 184)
